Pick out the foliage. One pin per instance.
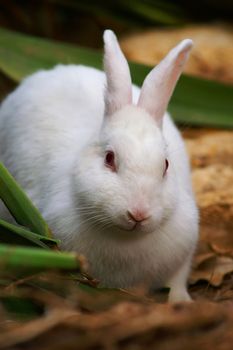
(195, 101)
(28, 258)
(24, 212)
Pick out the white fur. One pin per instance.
(160, 83)
(54, 131)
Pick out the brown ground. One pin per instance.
(211, 154)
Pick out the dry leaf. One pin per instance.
(203, 253)
(202, 325)
(211, 154)
(213, 270)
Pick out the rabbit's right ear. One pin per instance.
(161, 81)
(119, 86)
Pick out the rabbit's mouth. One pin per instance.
(137, 227)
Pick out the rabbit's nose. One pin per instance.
(137, 215)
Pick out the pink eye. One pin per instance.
(110, 160)
(166, 167)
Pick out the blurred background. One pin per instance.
(82, 22)
(148, 28)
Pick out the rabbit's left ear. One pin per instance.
(119, 86)
(161, 81)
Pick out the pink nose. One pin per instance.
(137, 215)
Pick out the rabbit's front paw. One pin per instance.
(177, 295)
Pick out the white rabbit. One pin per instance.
(110, 176)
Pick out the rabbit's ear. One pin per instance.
(119, 86)
(160, 82)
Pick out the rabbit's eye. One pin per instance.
(110, 160)
(166, 167)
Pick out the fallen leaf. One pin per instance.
(203, 253)
(211, 153)
(219, 237)
(131, 326)
(213, 270)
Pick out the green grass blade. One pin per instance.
(153, 12)
(12, 234)
(131, 12)
(14, 258)
(195, 101)
(24, 212)
(21, 55)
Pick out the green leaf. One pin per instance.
(156, 12)
(195, 101)
(21, 208)
(131, 12)
(21, 55)
(19, 308)
(18, 235)
(18, 259)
